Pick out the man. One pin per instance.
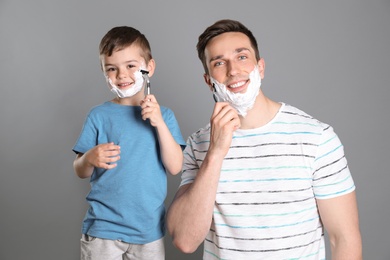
(263, 179)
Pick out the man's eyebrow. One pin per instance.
(238, 50)
(216, 58)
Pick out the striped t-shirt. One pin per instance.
(270, 179)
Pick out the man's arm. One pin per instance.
(190, 214)
(340, 218)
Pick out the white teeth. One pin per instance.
(239, 84)
(242, 102)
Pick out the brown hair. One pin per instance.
(121, 37)
(219, 27)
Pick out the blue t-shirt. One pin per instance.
(126, 202)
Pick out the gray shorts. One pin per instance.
(93, 248)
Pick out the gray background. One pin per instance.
(329, 58)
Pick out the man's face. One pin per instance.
(230, 59)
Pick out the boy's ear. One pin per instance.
(151, 67)
(101, 61)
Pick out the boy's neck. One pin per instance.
(128, 101)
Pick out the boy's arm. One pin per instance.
(100, 156)
(340, 218)
(171, 152)
(81, 168)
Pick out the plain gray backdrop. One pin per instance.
(328, 58)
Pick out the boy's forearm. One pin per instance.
(81, 168)
(171, 152)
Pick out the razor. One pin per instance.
(145, 75)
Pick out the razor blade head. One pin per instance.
(145, 75)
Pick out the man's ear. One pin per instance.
(261, 65)
(208, 81)
(151, 67)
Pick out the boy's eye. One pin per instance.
(130, 66)
(110, 69)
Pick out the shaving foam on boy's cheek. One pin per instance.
(242, 102)
(139, 80)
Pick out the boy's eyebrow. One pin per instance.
(238, 50)
(125, 62)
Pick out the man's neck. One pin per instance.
(262, 112)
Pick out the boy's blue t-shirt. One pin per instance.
(126, 202)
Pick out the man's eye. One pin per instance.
(242, 57)
(219, 63)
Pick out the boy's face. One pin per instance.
(122, 64)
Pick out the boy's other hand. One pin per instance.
(103, 155)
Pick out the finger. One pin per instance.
(111, 166)
(112, 159)
(107, 166)
(220, 107)
(111, 153)
(225, 114)
(217, 108)
(146, 103)
(150, 98)
(111, 146)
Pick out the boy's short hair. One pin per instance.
(219, 27)
(121, 37)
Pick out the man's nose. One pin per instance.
(233, 68)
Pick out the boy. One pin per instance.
(125, 147)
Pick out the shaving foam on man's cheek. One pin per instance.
(242, 102)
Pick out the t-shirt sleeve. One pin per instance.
(190, 165)
(331, 177)
(87, 138)
(174, 128)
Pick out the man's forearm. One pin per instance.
(190, 215)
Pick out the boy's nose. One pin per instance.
(122, 74)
